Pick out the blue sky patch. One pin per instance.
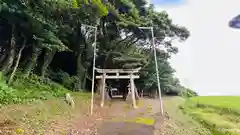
(167, 2)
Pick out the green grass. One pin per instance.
(232, 102)
(219, 113)
(32, 103)
(39, 115)
(28, 89)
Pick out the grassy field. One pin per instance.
(219, 113)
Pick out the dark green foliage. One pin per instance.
(65, 79)
(58, 47)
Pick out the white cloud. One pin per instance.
(208, 61)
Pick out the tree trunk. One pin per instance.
(136, 93)
(3, 57)
(83, 53)
(156, 94)
(124, 88)
(84, 81)
(31, 63)
(11, 52)
(17, 63)
(48, 57)
(81, 73)
(99, 86)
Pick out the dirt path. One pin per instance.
(174, 121)
(139, 121)
(125, 128)
(120, 119)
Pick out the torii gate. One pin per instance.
(117, 75)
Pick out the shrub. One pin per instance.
(38, 87)
(28, 89)
(65, 79)
(7, 94)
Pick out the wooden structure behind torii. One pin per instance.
(131, 75)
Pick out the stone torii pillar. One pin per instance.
(103, 91)
(132, 84)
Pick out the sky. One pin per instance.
(208, 62)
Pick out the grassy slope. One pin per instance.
(39, 115)
(35, 104)
(179, 123)
(219, 112)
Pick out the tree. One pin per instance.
(48, 38)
